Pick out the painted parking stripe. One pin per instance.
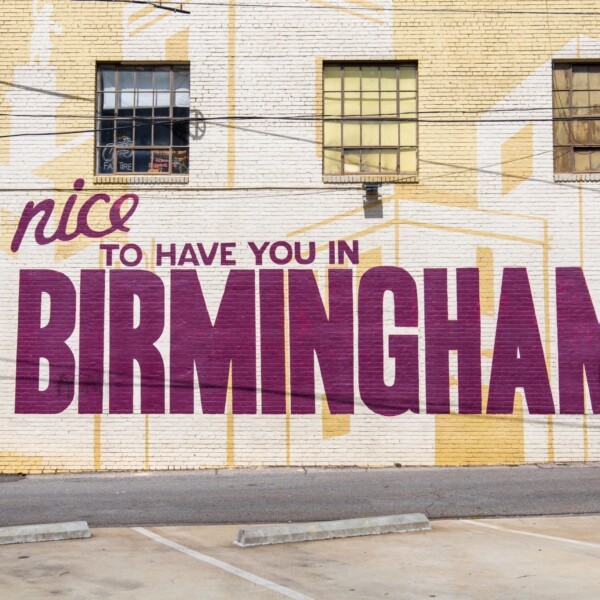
(531, 534)
(223, 565)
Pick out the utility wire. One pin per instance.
(304, 119)
(520, 109)
(158, 4)
(395, 9)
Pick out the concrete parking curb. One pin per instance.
(323, 530)
(44, 533)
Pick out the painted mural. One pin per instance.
(244, 313)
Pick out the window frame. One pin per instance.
(149, 67)
(568, 113)
(398, 177)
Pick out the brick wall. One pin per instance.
(486, 198)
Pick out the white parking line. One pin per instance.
(531, 534)
(222, 565)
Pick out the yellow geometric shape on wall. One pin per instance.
(517, 159)
(8, 225)
(14, 462)
(177, 45)
(333, 425)
(368, 260)
(485, 264)
(464, 440)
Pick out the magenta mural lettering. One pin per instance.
(280, 333)
(403, 394)
(443, 334)
(45, 209)
(578, 342)
(212, 349)
(518, 354)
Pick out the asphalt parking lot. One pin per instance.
(541, 557)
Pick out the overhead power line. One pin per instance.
(139, 122)
(521, 109)
(176, 7)
(394, 9)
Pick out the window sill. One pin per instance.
(371, 178)
(142, 179)
(570, 177)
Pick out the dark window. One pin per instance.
(142, 119)
(370, 119)
(576, 101)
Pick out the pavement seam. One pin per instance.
(256, 579)
(532, 534)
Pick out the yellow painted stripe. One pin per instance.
(366, 4)
(97, 443)
(138, 14)
(348, 11)
(231, 95)
(149, 24)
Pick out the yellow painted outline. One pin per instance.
(348, 11)
(97, 442)
(286, 346)
(137, 15)
(319, 60)
(147, 443)
(231, 94)
(149, 24)
(366, 4)
(397, 197)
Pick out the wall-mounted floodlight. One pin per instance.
(371, 191)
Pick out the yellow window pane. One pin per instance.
(370, 133)
(370, 104)
(580, 77)
(408, 78)
(561, 160)
(595, 102)
(351, 79)
(332, 106)
(581, 160)
(370, 161)
(352, 162)
(389, 161)
(388, 79)
(408, 133)
(408, 104)
(581, 101)
(595, 111)
(560, 77)
(352, 133)
(561, 133)
(389, 104)
(408, 160)
(595, 160)
(370, 79)
(332, 133)
(352, 104)
(332, 79)
(561, 102)
(389, 133)
(594, 75)
(332, 165)
(580, 131)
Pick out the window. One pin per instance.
(576, 99)
(370, 121)
(142, 119)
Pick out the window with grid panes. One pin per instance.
(370, 120)
(576, 103)
(142, 119)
